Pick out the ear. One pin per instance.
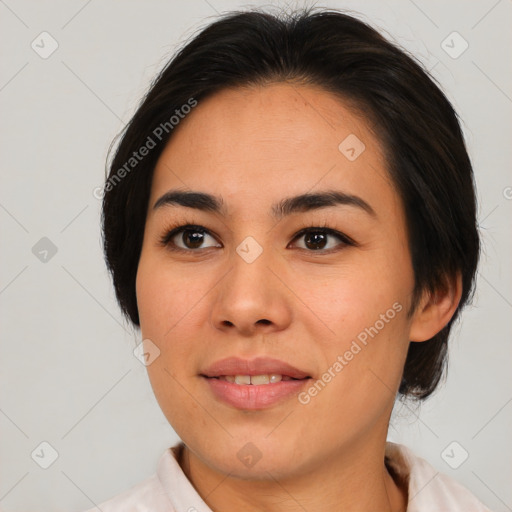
(435, 310)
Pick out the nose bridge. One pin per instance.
(250, 294)
(250, 274)
(250, 250)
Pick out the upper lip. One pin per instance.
(257, 366)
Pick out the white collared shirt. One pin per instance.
(169, 490)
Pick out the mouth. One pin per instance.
(254, 384)
(255, 380)
(260, 368)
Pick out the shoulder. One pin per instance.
(143, 497)
(167, 490)
(428, 488)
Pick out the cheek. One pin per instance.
(165, 300)
(365, 309)
(350, 298)
(165, 296)
(362, 369)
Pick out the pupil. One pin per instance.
(312, 240)
(192, 239)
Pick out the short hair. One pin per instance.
(415, 123)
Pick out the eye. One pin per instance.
(188, 237)
(317, 239)
(192, 238)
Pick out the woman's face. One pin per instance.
(321, 316)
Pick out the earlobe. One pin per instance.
(436, 309)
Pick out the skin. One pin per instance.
(254, 147)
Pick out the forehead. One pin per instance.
(256, 143)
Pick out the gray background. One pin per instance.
(68, 373)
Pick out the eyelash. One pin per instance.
(173, 230)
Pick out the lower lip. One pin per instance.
(251, 397)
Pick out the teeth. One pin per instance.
(260, 379)
(242, 379)
(255, 380)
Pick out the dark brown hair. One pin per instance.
(418, 128)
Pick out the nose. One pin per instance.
(252, 298)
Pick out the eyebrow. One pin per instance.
(301, 203)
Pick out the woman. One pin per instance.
(290, 220)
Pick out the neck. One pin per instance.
(351, 482)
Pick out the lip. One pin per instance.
(251, 397)
(257, 366)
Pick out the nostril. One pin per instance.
(264, 321)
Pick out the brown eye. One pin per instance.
(315, 240)
(318, 239)
(192, 239)
(189, 238)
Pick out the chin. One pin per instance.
(250, 457)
